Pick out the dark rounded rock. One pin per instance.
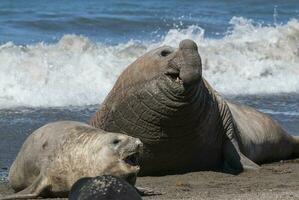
(104, 187)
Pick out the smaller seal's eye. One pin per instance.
(165, 52)
(116, 141)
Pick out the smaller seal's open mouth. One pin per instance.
(132, 159)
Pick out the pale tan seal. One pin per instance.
(184, 123)
(56, 155)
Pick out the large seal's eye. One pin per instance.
(116, 141)
(165, 52)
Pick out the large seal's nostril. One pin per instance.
(188, 44)
(189, 62)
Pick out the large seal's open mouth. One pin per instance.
(132, 159)
(174, 77)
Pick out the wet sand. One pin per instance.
(274, 181)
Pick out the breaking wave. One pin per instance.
(249, 59)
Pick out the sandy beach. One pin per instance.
(274, 181)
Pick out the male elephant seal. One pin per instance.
(56, 155)
(184, 124)
(105, 187)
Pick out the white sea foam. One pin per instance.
(271, 112)
(250, 59)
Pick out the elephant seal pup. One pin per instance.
(104, 187)
(184, 124)
(56, 155)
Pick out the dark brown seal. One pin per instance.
(184, 124)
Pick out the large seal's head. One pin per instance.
(184, 65)
(116, 154)
(178, 69)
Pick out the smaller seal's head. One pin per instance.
(119, 156)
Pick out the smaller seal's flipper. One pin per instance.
(19, 196)
(31, 192)
(146, 191)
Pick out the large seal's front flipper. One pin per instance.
(296, 146)
(234, 160)
(31, 192)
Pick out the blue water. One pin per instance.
(113, 21)
(59, 59)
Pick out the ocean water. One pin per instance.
(59, 59)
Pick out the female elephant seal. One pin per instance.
(105, 187)
(184, 124)
(56, 155)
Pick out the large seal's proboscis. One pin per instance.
(105, 187)
(56, 155)
(186, 125)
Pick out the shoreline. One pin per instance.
(278, 180)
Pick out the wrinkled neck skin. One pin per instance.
(171, 122)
